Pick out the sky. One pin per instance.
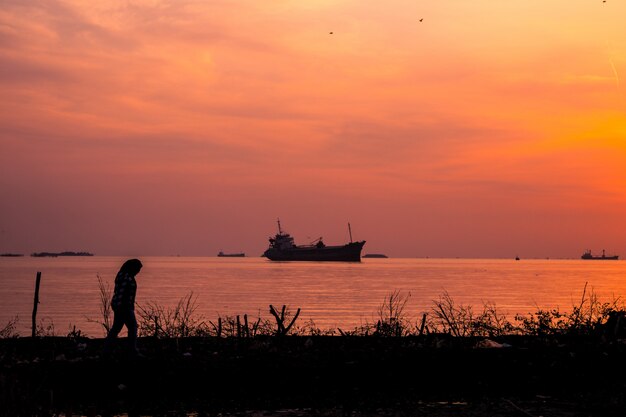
(448, 128)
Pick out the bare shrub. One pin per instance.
(587, 317)
(45, 327)
(9, 329)
(309, 328)
(105, 306)
(365, 329)
(392, 319)
(461, 320)
(74, 333)
(590, 314)
(240, 326)
(542, 322)
(450, 318)
(180, 321)
(491, 323)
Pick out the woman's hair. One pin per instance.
(132, 266)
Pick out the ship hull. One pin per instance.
(350, 252)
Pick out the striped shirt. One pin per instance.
(124, 292)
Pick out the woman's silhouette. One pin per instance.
(123, 305)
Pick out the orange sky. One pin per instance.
(489, 129)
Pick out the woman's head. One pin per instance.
(131, 266)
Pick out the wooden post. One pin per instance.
(37, 282)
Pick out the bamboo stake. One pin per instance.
(36, 303)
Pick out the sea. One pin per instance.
(330, 295)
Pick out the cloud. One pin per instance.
(228, 107)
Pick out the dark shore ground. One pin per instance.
(434, 375)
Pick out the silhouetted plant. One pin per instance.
(74, 333)
(452, 319)
(217, 329)
(105, 306)
(180, 321)
(392, 320)
(541, 322)
(366, 329)
(281, 329)
(9, 329)
(491, 323)
(588, 317)
(310, 329)
(239, 326)
(591, 314)
(45, 327)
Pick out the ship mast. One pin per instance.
(280, 232)
(350, 231)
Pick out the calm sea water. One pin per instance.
(333, 295)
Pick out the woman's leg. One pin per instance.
(131, 325)
(118, 322)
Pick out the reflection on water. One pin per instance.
(331, 294)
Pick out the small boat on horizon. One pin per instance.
(603, 257)
(231, 255)
(283, 248)
(375, 255)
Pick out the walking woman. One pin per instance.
(123, 305)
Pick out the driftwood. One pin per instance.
(281, 330)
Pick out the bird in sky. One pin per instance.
(421, 19)
(330, 33)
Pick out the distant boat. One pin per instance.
(12, 255)
(231, 255)
(375, 255)
(283, 248)
(603, 257)
(517, 258)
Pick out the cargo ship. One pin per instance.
(603, 257)
(283, 248)
(231, 255)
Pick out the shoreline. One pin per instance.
(321, 375)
